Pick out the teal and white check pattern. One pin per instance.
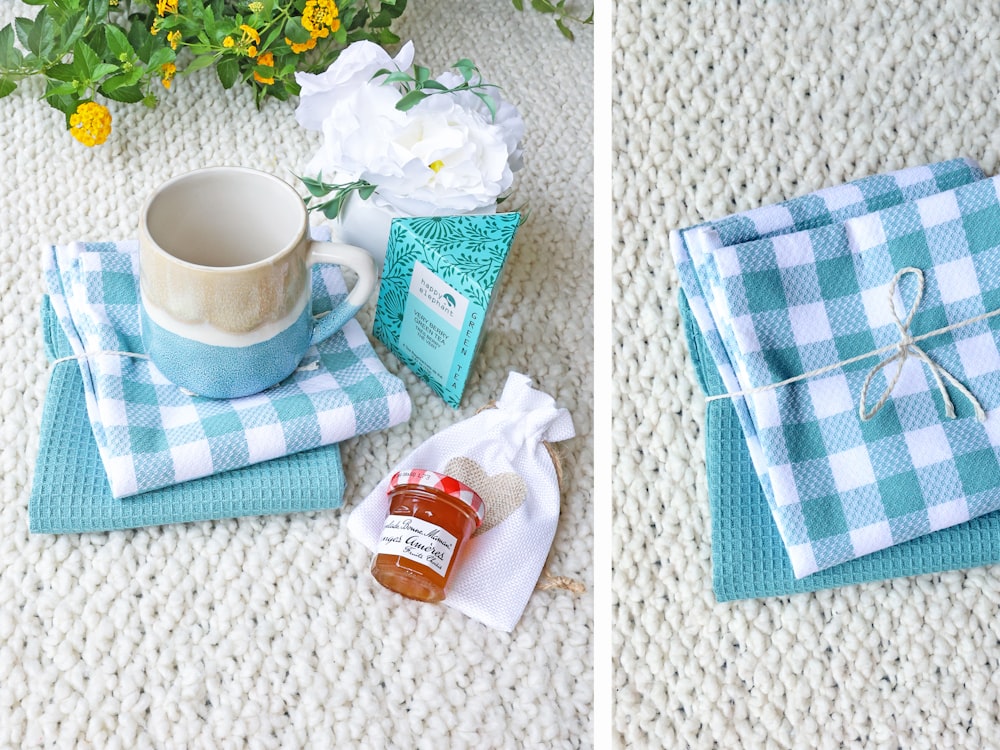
(795, 301)
(151, 434)
(821, 208)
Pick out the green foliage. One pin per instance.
(330, 198)
(420, 85)
(558, 10)
(127, 50)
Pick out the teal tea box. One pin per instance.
(439, 278)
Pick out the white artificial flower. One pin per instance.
(354, 66)
(507, 116)
(446, 154)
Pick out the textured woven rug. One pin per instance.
(742, 105)
(269, 631)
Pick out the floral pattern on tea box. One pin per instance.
(466, 252)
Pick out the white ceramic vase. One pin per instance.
(366, 223)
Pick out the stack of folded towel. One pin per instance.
(862, 431)
(122, 447)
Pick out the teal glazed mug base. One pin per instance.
(247, 369)
(226, 283)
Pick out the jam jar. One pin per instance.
(431, 515)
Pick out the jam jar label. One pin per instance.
(419, 541)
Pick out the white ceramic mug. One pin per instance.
(225, 281)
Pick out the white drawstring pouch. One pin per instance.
(501, 454)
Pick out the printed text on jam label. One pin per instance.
(417, 540)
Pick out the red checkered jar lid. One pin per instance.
(443, 483)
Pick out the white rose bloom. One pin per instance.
(446, 154)
(354, 66)
(445, 158)
(507, 118)
(356, 128)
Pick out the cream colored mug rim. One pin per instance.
(278, 255)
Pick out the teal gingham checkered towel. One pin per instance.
(150, 434)
(840, 488)
(70, 492)
(748, 555)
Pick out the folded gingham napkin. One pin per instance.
(70, 492)
(840, 487)
(748, 555)
(151, 434)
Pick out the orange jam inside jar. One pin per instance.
(431, 516)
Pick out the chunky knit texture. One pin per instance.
(720, 108)
(269, 632)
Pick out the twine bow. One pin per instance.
(907, 348)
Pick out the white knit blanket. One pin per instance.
(722, 107)
(270, 632)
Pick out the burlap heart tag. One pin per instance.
(502, 493)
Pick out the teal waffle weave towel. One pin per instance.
(152, 434)
(748, 557)
(70, 491)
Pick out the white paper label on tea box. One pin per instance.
(417, 540)
(432, 323)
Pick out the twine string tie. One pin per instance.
(906, 348)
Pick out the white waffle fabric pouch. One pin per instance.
(500, 454)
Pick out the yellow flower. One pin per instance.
(320, 17)
(173, 37)
(228, 42)
(267, 60)
(90, 124)
(298, 49)
(167, 71)
(155, 28)
(166, 6)
(256, 7)
(249, 32)
(248, 43)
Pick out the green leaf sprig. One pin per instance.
(330, 197)
(420, 85)
(559, 12)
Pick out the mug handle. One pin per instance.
(362, 264)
